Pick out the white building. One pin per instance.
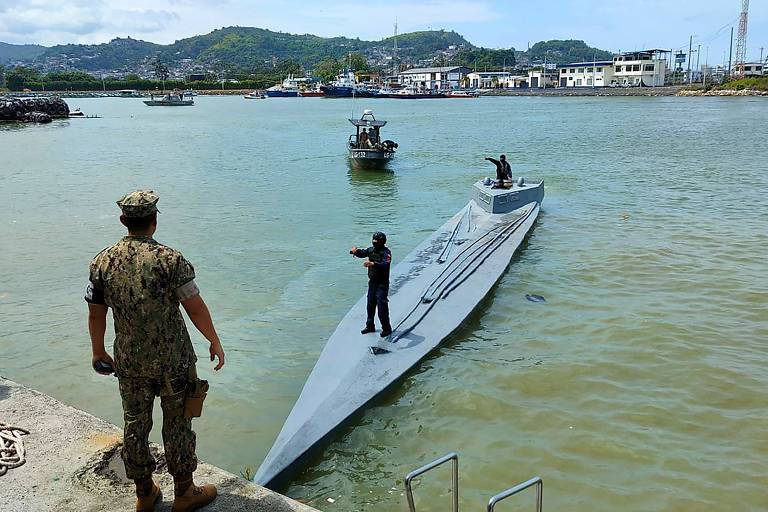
(447, 77)
(647, 67)
(750, 69)
(586, 74)
(495, 80)
(537, 78)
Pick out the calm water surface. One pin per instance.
(640, 384)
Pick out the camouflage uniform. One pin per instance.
(143, 282)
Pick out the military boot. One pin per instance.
(147, 495)
(190, 496)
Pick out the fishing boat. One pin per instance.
(433, 290)
(171, 99)
(315, 92)
(347, 86)
(289, 88)
(254, 96)
(366, 149)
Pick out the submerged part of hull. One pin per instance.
(432, 291)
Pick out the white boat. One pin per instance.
(462, 94)
(289, 88)
(254, 96)
(433, 290)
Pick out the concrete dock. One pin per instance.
(73, 463)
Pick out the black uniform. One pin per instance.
(503, 169)
(378, 284)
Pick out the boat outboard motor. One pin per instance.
(379, 239)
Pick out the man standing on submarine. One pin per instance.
(379, 261)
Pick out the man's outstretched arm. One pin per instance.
(201, 317)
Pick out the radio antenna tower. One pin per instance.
(395, 66)
(741, 39)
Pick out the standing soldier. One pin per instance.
(144, 282)
(379, 260)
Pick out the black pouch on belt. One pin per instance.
(197, 389)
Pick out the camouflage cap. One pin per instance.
(141, 203)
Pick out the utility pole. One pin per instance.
(690, 47)
(730, 55)
(706, 68)
(761, 54)
(698, 54)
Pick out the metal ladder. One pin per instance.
(537, 481)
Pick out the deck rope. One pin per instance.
(12, 454)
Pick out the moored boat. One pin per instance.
(462, 94)
(366, 149)
(434, 289)
(171, 99)
(347, 86)
(315, 92)
(254, 96)
(413, 93)
(289, 88)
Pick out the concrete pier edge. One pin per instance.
(73, 463)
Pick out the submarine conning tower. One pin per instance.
(505, 200)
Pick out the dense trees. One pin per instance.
(559, 51)
(19, 77)
(481, 59)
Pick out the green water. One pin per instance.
(639, 385)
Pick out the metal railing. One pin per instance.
(432, 465)
(518, 488)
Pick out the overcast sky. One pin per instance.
(614, 25)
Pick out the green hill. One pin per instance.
(19, 52)
(564, 51)
(249, 50)
(238, 48)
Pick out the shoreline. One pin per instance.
(666, 91)
(73, 463)
(723, 92)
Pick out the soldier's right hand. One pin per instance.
(217, 352)
(353, 250)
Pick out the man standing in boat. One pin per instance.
(503, 170)
(379, 260)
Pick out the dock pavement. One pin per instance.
(73, 464)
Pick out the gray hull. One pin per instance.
(370, 159)
(432, 292)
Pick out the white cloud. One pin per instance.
(80, 21)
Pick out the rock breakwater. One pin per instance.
(33, 110)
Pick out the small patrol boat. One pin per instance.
(366, 149)
(432, 291)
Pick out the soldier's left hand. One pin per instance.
(217, 352)
(368, 264)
